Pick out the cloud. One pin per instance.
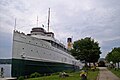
(5, 45)
(108, 45)
(98, 19)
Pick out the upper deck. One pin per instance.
(41, 33)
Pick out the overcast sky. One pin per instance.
(99, 19)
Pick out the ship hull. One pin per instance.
(22, 67)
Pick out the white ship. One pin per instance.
(40, 52)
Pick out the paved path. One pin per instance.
(105, 74)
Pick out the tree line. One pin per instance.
(114, 56)
(88, 51)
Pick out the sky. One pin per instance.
(98, 19)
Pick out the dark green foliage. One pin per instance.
(86, 49)
(35, 75)
(69, 71)
(57, 73)
(114, 56)
(21, 78)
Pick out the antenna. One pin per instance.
(37, 21)
(15, 24)
(48, 19)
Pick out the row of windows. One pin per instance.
(44, 46)
(43, 53)
(53, 44)
(56, 45)
(31, 50)
(62, 59)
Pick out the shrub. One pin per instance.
(68, 71)
(56, 73)
(34, 75)
(21, 78)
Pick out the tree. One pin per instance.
(109, 57)
(114, 56)
(86, 49)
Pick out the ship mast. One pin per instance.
(15, 24)
(48, 19)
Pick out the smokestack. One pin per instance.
(69, 41)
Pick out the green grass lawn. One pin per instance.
(73, 76)
(116, 72)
